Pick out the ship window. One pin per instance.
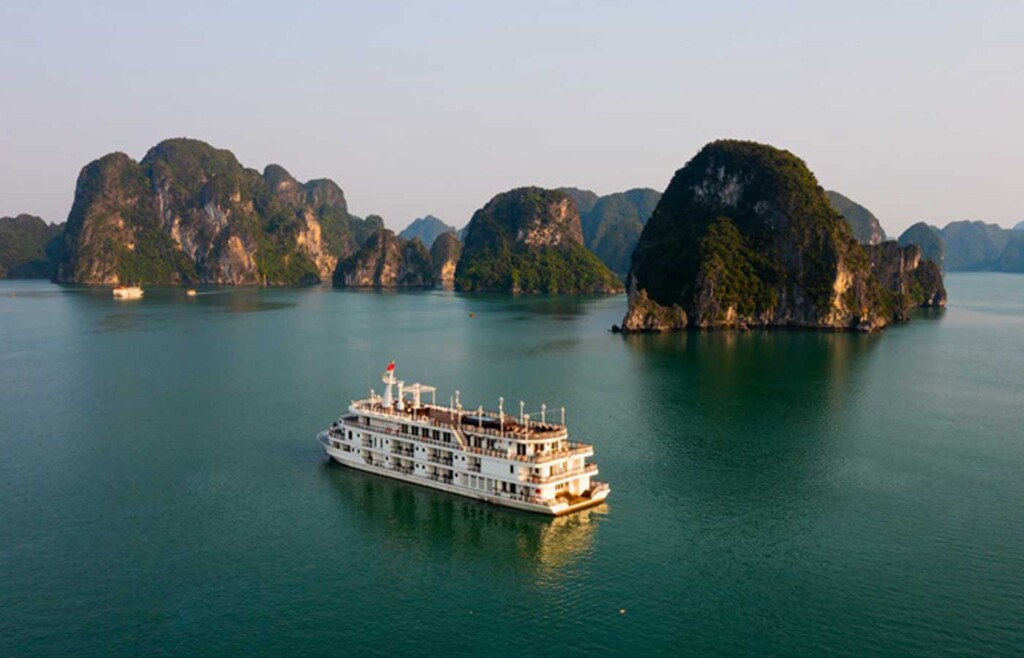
(511, 468)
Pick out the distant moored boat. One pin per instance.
(127, 292)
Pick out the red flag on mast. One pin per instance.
(391, 366)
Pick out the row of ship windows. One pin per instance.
(487, 484)
(474, 461)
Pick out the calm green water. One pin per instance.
(161, 490)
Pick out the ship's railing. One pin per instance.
(540, 458)
(531, 434)
(447, 461)
(554, 477)
(573, 450)
(535, 500)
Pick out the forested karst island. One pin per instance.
(386, 260)
(188, 212)
(29, 247)
(530, 240)
(745, 237)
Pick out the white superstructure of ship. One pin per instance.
(511, 460)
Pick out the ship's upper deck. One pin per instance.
(476, 421)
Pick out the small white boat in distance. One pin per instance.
(515, 461)
(191, 292)
(127, 292)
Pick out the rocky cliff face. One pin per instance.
(928, 239)
(445, 254)
(910, 280)
(530, 240)
(865, 226)
(585, 199)
(387, 261)
(29, 247)
(745, 237)
(190, 212)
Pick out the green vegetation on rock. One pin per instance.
(387, 261)
(188, 212)
(744, 236)
(29, 247)
(445, 254)
(529, 240)
(928, 239)
(865, 226)
(612, 225)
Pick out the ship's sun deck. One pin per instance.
(487, 421)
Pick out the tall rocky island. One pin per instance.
(188, 212)
(745, 237)
(29, 247)
(387, 261)
(445, 254)
(530, 240)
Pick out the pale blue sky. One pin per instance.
(912, 108)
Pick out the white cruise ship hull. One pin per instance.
(557, 507)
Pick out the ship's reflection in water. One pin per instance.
(411, 520)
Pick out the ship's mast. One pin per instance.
(389, 378)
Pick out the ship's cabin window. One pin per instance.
(415, 431)
(405, 429)
(437, 435)
(511, 468)
(521, 449)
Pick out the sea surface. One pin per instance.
(785, 493)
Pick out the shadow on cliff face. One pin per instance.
(417, 520)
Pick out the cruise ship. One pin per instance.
(511, 460)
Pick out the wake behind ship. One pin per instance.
(492, 456)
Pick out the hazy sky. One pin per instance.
(913, 109)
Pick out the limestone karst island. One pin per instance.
(743, 237)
